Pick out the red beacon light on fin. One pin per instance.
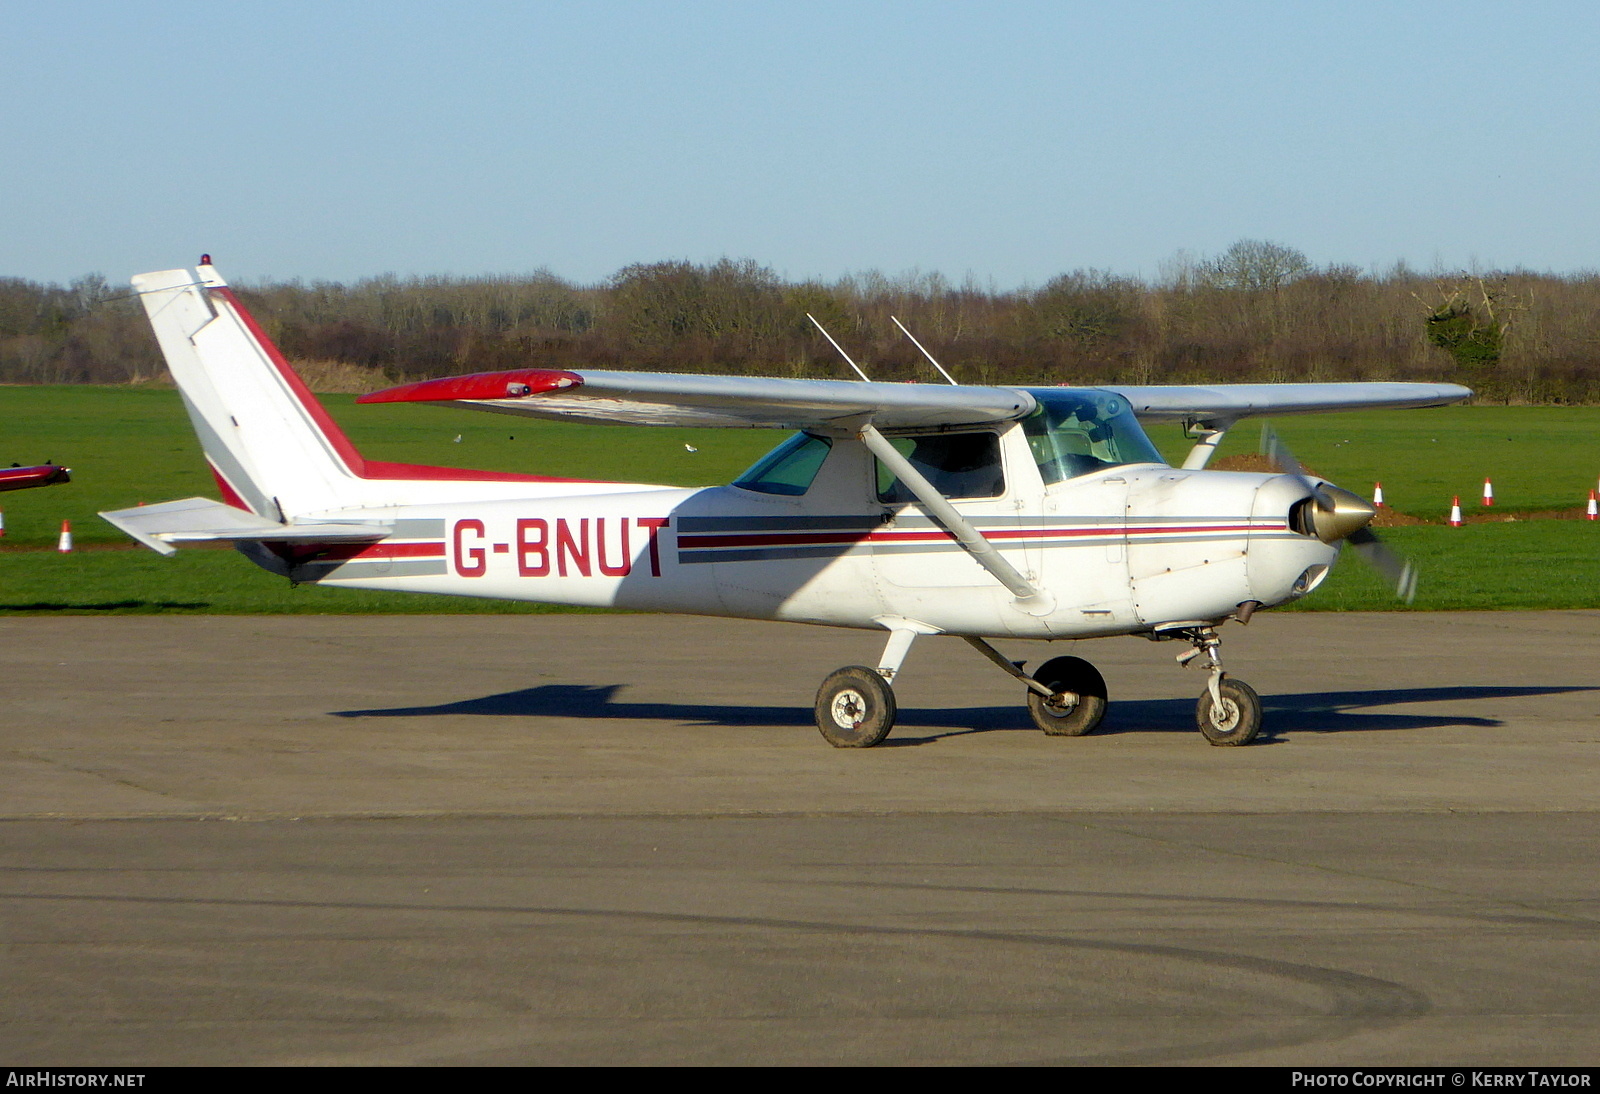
(479, 386)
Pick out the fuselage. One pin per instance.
(816, 533)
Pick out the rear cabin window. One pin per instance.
(788, 469)
(959, 465)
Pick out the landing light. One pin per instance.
(1309, 580)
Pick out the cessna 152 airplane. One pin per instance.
(914, 509)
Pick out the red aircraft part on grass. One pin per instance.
(23, 478)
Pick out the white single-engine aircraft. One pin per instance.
(980, 512)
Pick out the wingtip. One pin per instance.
(516, 384)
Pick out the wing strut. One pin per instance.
(1207, 436)
(1030, 598)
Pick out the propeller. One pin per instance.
(1332, 513)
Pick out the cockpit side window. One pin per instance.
(788, 469)
(1074, 433)
(959, 465)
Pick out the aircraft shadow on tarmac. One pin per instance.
(1308, 712)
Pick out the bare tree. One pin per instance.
(1255, 265)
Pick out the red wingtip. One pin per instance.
(480, 385)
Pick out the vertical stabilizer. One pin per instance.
(271, 445)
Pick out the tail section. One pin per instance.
(271, 445)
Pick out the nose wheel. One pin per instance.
(1233, 716)
(1229, 711)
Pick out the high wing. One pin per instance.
(1222, 403)
(685, 399)
(665, 398)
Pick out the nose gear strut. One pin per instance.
(1229, 712)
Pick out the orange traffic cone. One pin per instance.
(1488, 492)
(64, 544)
(1377, 495)
(1593, 512)
(1455, 512)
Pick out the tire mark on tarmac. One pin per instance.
(1357, 1002)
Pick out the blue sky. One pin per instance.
(1007, 142)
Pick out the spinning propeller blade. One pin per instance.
(1333, 514)
(1395, 568)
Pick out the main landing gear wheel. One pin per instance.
(1237, 720)
(1071, 718)
(855, 708)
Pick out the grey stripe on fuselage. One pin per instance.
(418, 528)
(369, 568)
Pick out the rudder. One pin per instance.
(270, 443)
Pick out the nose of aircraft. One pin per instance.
(1332, 513)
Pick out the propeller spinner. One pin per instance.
(1332, 513)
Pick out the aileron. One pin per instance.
(1231, 402)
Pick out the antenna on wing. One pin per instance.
(837, 346)
(924, 350)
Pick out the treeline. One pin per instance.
(1258, 312)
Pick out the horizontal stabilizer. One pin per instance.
(202, 520)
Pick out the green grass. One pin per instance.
(200, 582)
(1539, 458)
(1539, 564)
(131, 445)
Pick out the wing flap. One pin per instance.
(665, 398)
(201, 520)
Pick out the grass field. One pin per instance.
(131, 445)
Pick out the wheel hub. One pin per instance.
(1225, 715)
(849, 709)
(1061, 704)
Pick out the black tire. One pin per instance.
(1076, 675)
(1239, 719)
(855, 708)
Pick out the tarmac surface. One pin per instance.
(619, 839)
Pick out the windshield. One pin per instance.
(1075, 432)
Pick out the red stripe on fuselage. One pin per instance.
(776, 539)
